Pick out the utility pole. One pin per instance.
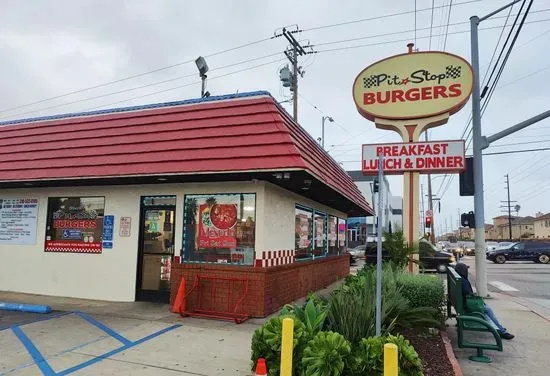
(430, 200)
(292, 52)
(508, 206)
(459, 224)
(423, 213)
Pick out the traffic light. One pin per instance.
(468, 220)
(428, 222)
(466, 179)
(375, 186)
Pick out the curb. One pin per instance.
(8, 306)
(450, 354)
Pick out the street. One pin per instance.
(524, 280)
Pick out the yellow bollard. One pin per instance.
(390, 360)
(287, 347)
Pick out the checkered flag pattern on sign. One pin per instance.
(369, 82)
(453, 72)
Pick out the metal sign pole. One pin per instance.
(379, 246)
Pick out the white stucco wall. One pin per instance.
(280, 209)
(111, 275)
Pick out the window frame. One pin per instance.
(310, 236)
(325, 232)
(184, 235)
(48, 208)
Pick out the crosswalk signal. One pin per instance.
(376, 186)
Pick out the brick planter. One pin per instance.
(268, 288)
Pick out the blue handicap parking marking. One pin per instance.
(47, 370)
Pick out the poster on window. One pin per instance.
(332, 232)
(341, 232)
(18, 218)
(217, 226)
(75, 224)
(319, 231)
(303, 231)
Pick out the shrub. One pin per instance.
(409, 362)
(397, 248)
(368, 357)
(352, 307)
(326, 355)
(266, 343)
(423, 291)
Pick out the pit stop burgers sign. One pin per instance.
(423, 157)
(413, 86)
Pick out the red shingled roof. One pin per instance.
(243, 133)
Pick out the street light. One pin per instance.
(323, 129)
(203, 68)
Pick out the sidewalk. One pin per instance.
(527, 354)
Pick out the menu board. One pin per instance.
(18, 218)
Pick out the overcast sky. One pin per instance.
(50, 48)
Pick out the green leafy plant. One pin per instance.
(423, 291)
(326, 355)
(409, 362)
(398, 249)
(266, 343)
(313, 314)
(368, 357)
(352, 306)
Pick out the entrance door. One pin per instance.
(156, 252)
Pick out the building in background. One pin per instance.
(522, 228)
(361, 228)
(542, 226)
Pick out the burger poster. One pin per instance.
(217, 226)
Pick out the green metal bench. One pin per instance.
(469, 321)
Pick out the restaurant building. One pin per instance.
(120, 204)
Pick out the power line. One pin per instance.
(186, 85)
(136, 87)
(383, 16)
(415, 22)
(109, 83)
(448, 20)
(406, 40)
(499, 74)
(517, 151)
(431, 24)
(519, 143)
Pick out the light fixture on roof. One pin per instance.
(286, 176)
(27, 184)
(162, 179)
(203, 69)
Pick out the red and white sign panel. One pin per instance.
(423, 157)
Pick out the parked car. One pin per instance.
(538, 252)
(358, 251)
(429, 257)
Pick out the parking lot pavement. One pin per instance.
(94, 344)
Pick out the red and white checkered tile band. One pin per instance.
(73, 250)
(275, 258)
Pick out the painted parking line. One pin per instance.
(502, 286)
(105, 328)
(47, 370)
(33, 352)
(46, 317)
(116, 351)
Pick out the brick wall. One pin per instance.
(268, 288)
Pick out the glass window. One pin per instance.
(303, 232)
(332, 235)
(341, 236)
(75, 224)
(320, 245)
(220, 228)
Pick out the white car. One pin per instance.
(491, 246)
